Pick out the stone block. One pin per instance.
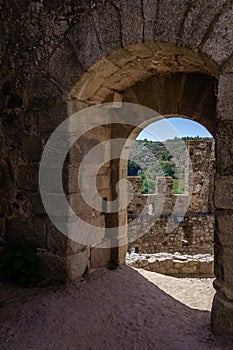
(149, 14)
(91, 87)
(224, 148)
(40, 90)
(65, 268)
(107, 23)
(122, 250)
(84, 47)
(221, 37)
(154, 265)
(52, 178)
(228, 67)
(58, 243)
(37, 205)
(224, 227)
(82, 208)
(104, 67)
(100, 257)
(223, 289)
(7, 175)
(224, 192)
(131, 21)
(218, 264)
(74, 105)
(78, 264)
(172, 271)
(102, 182)
(64, 65)
(227, 265)
(79, 87)
(140, 50)
(164, 185)
(33, 230)
(179, 264)
(166, 264)
(51, 115)
(193, 30)
(225, 97)
(121, 57)
(143, 263)
(206, 268)
(53, 266)
(222, 315)
(169, 19)
(28, 177)
(189, 270)
(32, 148)
(86, 143)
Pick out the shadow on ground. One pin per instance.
(111, 310)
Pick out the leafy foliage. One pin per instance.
(133, 168)
(168, 169)
(166, 155)
(150, 159)
(21, 264)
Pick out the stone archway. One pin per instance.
(143, 74)
(191, 204)
(195, 84)
(44, 60)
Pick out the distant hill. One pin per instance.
(150, 159)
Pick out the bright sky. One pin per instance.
(169, 128)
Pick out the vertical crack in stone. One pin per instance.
(118, 9)
(191, 6)
(96, 33)
(156, 17)
(143, 20)
(211, 27)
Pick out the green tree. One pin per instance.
(133, 168)
(148, 185)
(168, 169)
(166, 156)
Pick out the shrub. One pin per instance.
(21, 264)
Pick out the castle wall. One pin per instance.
(173, 229)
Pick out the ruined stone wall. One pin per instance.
(58, 57)
(178, 265)
(137, 49)
(195, 233)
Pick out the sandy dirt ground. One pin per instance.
(120, 309)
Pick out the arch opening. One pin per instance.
(154, 80)
(191, 232)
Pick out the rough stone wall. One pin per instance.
(179, 265)
(53, 64)
(48, 45)
(35, 86)
(195, 234)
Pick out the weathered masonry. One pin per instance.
(178, 265)
(195, 233)
(58, 57)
